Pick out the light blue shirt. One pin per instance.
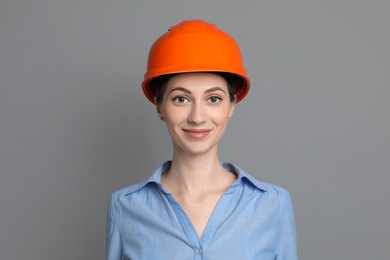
(252, 220)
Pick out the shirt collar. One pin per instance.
(234, 169)
(242, 175)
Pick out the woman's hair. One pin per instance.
(159, 84)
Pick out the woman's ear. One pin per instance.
(232, 106)
(158, 110)
(231, 111)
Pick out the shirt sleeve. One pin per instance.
(113, 238)
(287, 245)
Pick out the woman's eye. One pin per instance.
(215, 99)
(180, 99)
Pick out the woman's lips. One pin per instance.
(197, 133)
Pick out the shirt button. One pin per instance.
(200, 251)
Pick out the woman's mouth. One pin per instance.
(197, 133)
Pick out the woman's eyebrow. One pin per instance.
(180, 89)
(215, 89)
(210, 90)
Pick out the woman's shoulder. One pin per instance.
(125, 191)
(150, 183)
(270, 188)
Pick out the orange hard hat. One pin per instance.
(195, 46)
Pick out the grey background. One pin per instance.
(74, 125)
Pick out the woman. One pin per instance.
(194, 206)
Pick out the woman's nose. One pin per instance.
(197, 114)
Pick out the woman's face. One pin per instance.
(196, 109)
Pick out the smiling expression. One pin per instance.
(196, 109)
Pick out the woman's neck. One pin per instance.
(196, 174)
